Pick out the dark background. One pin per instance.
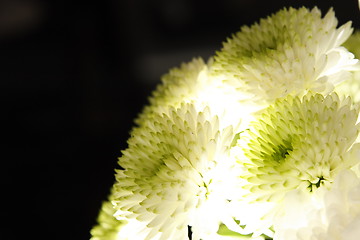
(74, 76)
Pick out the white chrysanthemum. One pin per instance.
(295, 144)
(351, 87)
(289, 52)
(323, 215)
(177, 173)
(298, 143)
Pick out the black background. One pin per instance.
(73, 77)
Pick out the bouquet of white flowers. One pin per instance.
(259, 142)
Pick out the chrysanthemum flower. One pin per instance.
(327, 214)
(177, 173)
(290, 52)
(297, 143)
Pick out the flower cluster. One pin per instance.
(259, 142)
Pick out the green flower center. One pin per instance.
(281, 151)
